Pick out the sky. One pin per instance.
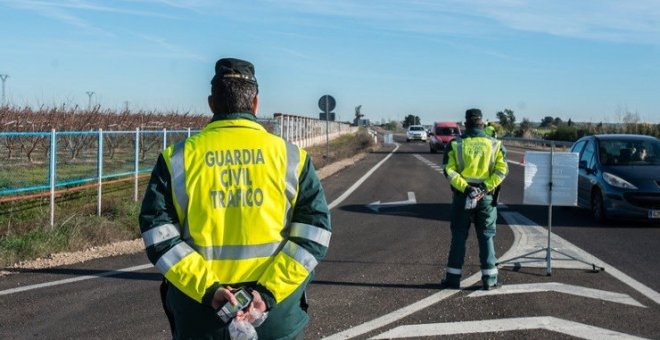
(584, 60)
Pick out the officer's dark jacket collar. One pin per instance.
(237, 115)
(474, 132)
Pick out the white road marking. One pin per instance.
(75, 279)
(549, 323)
(359, 182)
(402, 312)
(376, 206)
(528, 236)
(405, 311)
(521, 238)
(560, 288)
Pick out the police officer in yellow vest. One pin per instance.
(235, 207)
(490, 131)
(475, 166)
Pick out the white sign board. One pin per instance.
(562, 173)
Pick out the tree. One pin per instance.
(525, 128)
(507, 119)
(546, 121)
(557, 121)
(410, 120)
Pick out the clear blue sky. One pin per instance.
(588, 60)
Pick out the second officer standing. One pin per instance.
(475, 165)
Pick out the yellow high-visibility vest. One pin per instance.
(234, 186)
(476, 160)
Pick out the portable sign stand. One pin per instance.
(566, 196)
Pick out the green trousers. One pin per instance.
(484, 217)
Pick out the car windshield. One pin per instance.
(446, 131)
(629, 152)
(416, 128)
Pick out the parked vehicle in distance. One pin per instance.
(416, 132)
(619, 176)
(441, 134)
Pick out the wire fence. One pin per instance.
(43, 165)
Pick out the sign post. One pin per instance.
(551, 179)
(327, 104)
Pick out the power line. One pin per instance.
(3, 77)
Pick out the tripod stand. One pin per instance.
(548, 250)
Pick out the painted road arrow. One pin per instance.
(376, 206)
(549, 323)
(561, 288)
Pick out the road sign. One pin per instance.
(330, 115)
(327, 103)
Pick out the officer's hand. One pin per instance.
(221, 296)
(256, 309)
(474, 192)
(471, 191)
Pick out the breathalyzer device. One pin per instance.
(228, 311)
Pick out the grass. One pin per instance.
(25, 231)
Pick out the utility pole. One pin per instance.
(89, 104)
(3, 77)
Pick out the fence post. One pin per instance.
(164, 138)
(100, 172)
(51, 174)
(137, 164)
(188, 132)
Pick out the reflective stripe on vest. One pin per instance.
(179, 176)
(460, 163)
(292, 160)
(493, 153)
(310, 232)
(159, 234)
(301, 255)
(238, 252)
(173, 256)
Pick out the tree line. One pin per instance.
(555, 128)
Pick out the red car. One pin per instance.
(441, 134)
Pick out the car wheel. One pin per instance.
(598, 207)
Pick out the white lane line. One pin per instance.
(560, 288)
(402, 312)
(528, 236)
(357, 184)
(405, 311)
(549, 323)
(74, 279)
(148, 265)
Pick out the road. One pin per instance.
(380, 278)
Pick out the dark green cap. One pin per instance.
(473, 114)
(232, 68)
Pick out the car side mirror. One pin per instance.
(582, 164)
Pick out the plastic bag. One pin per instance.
(242, 330)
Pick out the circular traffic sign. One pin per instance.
(327, 103)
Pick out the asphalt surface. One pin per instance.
(380, 278)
